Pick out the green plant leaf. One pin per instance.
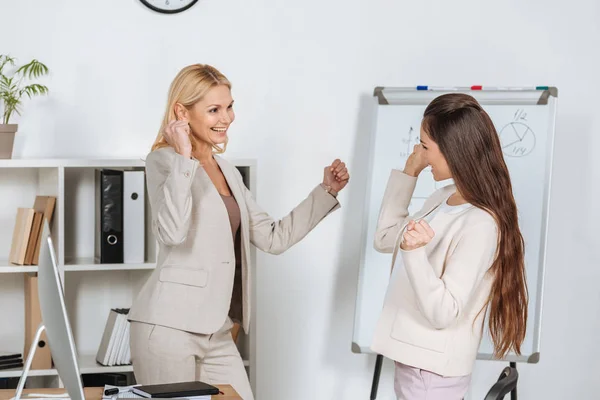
(6, 60)
(34, 69)
(33, 90)
(11, 90)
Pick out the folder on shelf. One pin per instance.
(6, 355)
(10, 360)
(133, 217)
(21, 234)
(44, 205)
(42, 358)
(114, 347)
(109, 216)
(36, 230)
(11, 364)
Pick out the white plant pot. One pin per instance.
(7, 139)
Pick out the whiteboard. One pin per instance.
(525, 122)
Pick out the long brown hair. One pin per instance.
(468, 140)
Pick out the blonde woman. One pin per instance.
(205, 220)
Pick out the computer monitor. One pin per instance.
(55, 322)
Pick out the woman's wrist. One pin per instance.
(329, 190)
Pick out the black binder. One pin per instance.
(109, 216)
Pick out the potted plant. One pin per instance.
(12, 90)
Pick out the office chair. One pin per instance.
(507, 382)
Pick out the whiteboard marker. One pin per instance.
(497, 88)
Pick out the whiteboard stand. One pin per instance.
(513, 393)
(524, 118)
(376, 375)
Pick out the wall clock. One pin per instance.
(169, 6)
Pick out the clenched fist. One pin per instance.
(417, 234)
(336, 175)
(177, 134)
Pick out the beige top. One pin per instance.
(430, 317)
(235, 309)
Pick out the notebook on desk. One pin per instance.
(112, 392)
(192, 389)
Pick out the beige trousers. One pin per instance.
(163, 355)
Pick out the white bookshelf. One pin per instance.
(87, 365)
(7, 268)
(91, 289)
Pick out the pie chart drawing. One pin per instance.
(517, 139)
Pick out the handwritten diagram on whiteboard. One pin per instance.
(517, 137)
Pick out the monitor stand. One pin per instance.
(28, 362)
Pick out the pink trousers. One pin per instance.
(412, 383)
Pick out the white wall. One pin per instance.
(299, 71)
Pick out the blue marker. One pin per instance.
(421, 87)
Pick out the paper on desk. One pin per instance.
(124, 392)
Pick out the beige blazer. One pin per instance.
(191, 287)
(430, 315)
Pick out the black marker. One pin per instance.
(110, 392)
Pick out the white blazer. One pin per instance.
(192, 285)
(430, 318)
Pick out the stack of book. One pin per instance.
(10, 360)
(25, 249)
(114, 346)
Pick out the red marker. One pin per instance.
(477, 87)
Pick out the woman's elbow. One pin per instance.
(170, 237)
(442, 321)
(170, 240)
(277, 245)
(276, 251)
(382, 245)
(266, 244)
(439, 325)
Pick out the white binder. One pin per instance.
(133, 217)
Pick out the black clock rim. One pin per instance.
(160, 10)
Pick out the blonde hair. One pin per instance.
(190, 85)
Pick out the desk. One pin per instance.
(95, 393)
